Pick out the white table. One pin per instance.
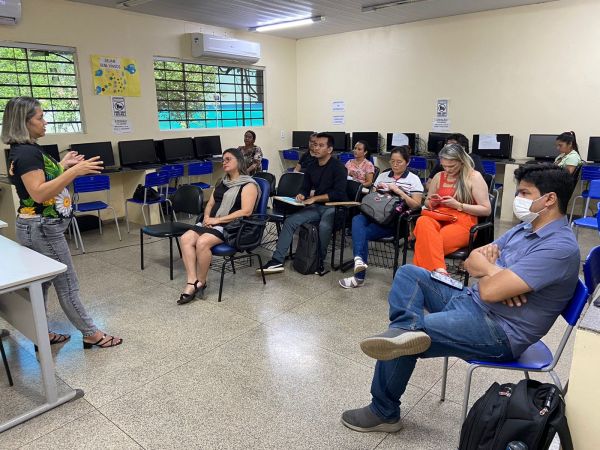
(3, 224)
(22, 268)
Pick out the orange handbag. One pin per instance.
(438, 215)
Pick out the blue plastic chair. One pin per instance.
(158, 180)
(87, 184)
(589, 222)
(345, 157)
(291, 155)
(537, 358)
(175, 172)
(264, 164)
(229, 253)
(419, 164)
(588, 174)
(200, 169)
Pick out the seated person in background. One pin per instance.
(399, 181)
(360, 168)
(461, 140)
(324, 182)
(526, 279)
(458, 191)
(235, 196)
(307, 158)
(252, 153)
(569, 158)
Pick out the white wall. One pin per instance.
(532, 69)
(105, 31)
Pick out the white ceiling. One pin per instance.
(340, 16)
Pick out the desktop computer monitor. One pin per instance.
(593, 153)
(52, 150)
(411, 137)
(102, 149)
(340, 140)
(436, 141)
(208, 146)
(370, 137)
(140, 151)
(300, 139)
(494, 146)
(542, 147)
(177, 149)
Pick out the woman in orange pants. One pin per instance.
(459, 193)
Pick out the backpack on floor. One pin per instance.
(307, 257)
(530, 412)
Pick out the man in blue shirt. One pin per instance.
(526, 278)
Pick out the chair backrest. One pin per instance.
(156, 179)
(575, 306)
(376, 174)
(263, 201)
(201, 168)
(188, 199)
(353, 190)
(486, 236)
(345, 157)
(91, 183)
(489, 180)
(591, 269)
(270, 178)
(589, 172)
(594, 189)
(489, 166)
(291, 155)
(290, 184)
(418, 163)
(264, 164)
(174, 170)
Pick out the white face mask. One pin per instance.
(522, 209)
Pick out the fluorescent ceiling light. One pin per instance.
(131, 3)
(387, 5)
(288, 24)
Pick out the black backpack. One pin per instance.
(307, 259)
(151, 194)
(530, 412)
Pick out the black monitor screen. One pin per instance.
(542, 146)
(102, 149)
(370, 137)
(300, 138)
(137, 152)
(52, 150)
(436, 141)
(495, 146)
(207, 146)
(389, 140)
(178, 149)
(340, 142)
(593, 153)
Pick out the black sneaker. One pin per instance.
(365, 421)
(321, 271)
(272, 267)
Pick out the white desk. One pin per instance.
(22, 268)
(3, 224)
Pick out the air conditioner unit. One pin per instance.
(209, 46)
(10, 12)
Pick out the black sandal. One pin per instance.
(186, 298)
(57, 339)
(112, 342)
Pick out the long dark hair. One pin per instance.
(568, 137)
(242, 168)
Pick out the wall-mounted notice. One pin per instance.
(338, 106)
(441, 121)
(120, 122)
(399, 139)
(488, 142)
(113, 75)
(338, 119)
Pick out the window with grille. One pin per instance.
(193, 95)
(48, 74)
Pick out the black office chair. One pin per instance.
(490, 181)
(289, 185)
(187, 199)
(479, 235)
(271, 180)
(3, 334)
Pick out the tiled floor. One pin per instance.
(270, 367)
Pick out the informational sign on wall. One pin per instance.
(113, 75)
(441, 121)
(120, 122)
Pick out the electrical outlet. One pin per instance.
(282, 135)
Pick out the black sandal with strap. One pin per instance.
(186, 298)
(112, 342)
(57, 339)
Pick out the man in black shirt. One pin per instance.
(307, 158)
(324, 181)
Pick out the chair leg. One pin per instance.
(556, 380)
(444, 379)
(116, 222)
(144, 214)
(72, 226)
(126, 217)
(232, 266)
(78, 234)
(261, 268)
(178, 247)
(99, 222)
(466, 283)
(170, 258)
(465, 405)
(573, 209)
(526, 374)
(141, 249)
(222, 276)
(6, 367)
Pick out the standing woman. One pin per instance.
(252, 153)
(45, 209)
(233, 198)
(569, 157)
(360, 168)
(460, 192)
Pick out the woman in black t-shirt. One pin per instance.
(45, 210)
(234, 197)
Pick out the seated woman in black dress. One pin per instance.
(234, 197)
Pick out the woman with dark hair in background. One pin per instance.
(252, 153)
(360, 168)
(234, 197)
(569, 158)
(45, 209)
(460, 194)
